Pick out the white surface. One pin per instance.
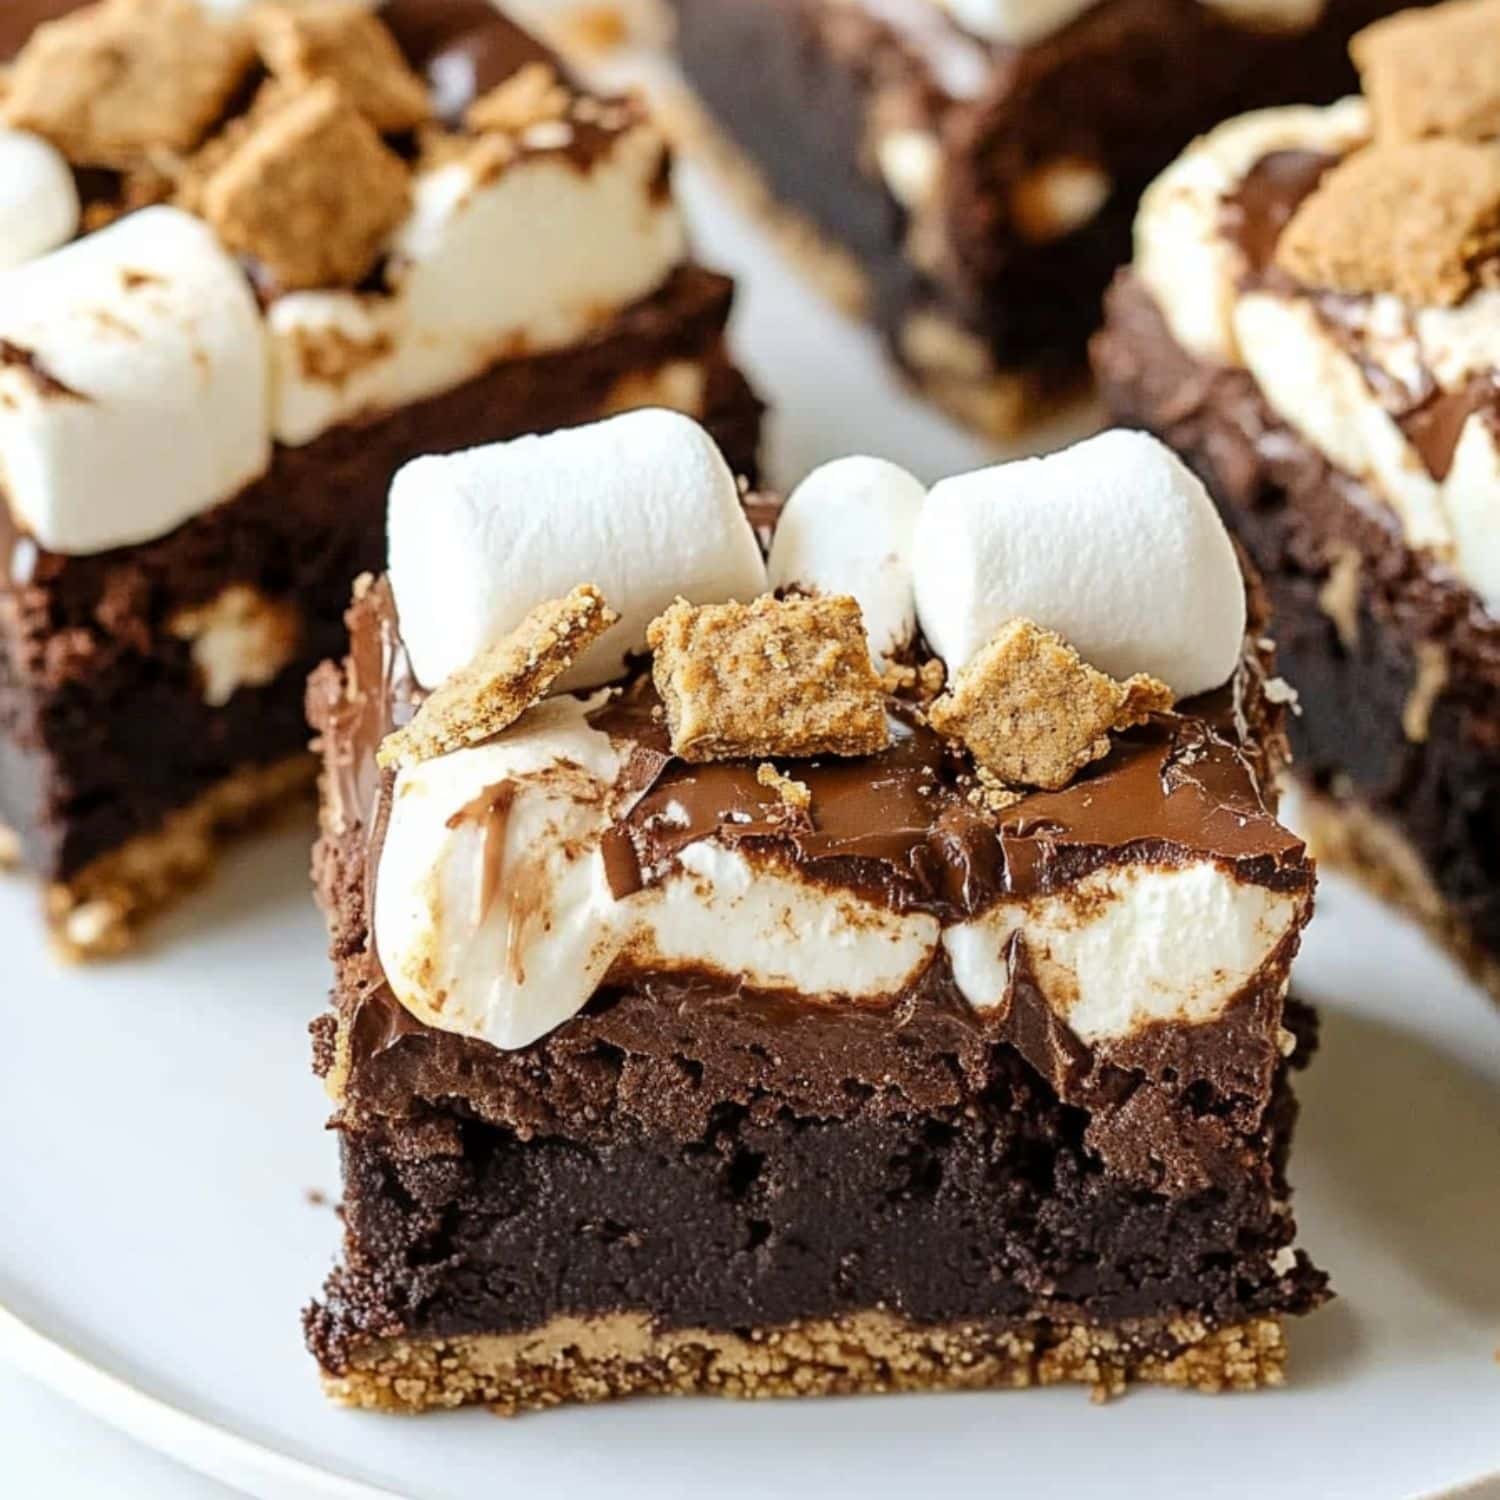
(163, 1133)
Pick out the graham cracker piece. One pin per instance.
(532, 95)
(493, 691)
(779, 677)
(1033, 713)
(1418, 219)
(1433, 72)
(114, 81)
(310, 193)
(344, 42)
(797, 795)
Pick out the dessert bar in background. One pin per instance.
(863, 969)
(964, 172)
(1313, 322)
(255, 259)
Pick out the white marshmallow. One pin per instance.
(38, 199)
(1320, 391)
(141, 397)
(847, 529)
(1112, 543)
(774, 929)
(1183, 256)
(488, 265)
(503, 942)
(642, 505)
(1016, 22)
(1471, 495)
(1109, 952)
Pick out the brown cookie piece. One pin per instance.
(779, 677)
(1417, 219)
(1433, 72)
(1033, 713)
(115, 81)
(310, 193)
(490, 694)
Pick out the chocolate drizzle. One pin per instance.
(1268, 195)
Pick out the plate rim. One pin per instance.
(203, 1446)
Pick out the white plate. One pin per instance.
(167, 1185)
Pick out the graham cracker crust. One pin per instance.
(1349, 836)
(1000, 405)
(603, 1358)
(100, 911)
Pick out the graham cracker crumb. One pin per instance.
(531, 96)
(779, 677)
(1433, 72)
(866, 1352)
(100, 911)
(1426, 689)
(922, 683)
(113, 81)
(1338, 597)
(1032, 712)
(796, 794)
(991, 794)
(1419, 219)
(311, 193)
(492, 692)
(343, 42)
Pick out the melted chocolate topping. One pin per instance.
(1254, 217)
(1267, 197)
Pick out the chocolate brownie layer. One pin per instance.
(1361, 619)
(1121, 88)
(957, 1201)
(104, 727)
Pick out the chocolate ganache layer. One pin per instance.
(103, 723)
(1356, 669)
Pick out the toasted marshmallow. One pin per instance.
(1016, 22)
(1112, 543)
(133, 394)
(491, 263)
(847, 529)
(38, 199)
(1183, 256)
(1108, 952)
(773, 929)
(493, 911)
(642, 505)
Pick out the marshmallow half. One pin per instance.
(642, 505)
(847, 529)
(490, 264)
(39, 207)
(1112, 543)
(133, 391)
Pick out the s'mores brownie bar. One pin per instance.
(252, 260)
(859, 970)
(1313, 322)
(964, 171)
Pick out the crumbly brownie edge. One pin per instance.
(872, 1352)
(1346, 834)
(100, 911)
